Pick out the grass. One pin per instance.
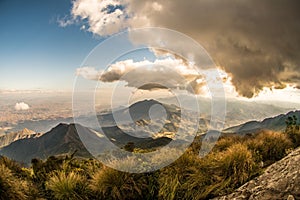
(10, 186)
(67, 186)
(109, 183)
(269, 146)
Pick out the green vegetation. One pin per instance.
(233, 161)
(293, 130)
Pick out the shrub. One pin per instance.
(270, 146)
(225, 142)
(293, 130)
(15, 167)
(10, 186)
(109, 183)
(236, 165)
(237, 161)
(183, 179)
(67, 186)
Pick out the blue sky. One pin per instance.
(35, 53)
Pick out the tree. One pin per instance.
(293, 130)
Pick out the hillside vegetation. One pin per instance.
(233, 161)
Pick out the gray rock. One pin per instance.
(281, 180)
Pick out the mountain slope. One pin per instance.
(64, 138)
(6, 139)
(276, 123)
(281, 180)
(120, 139)
(137, 111)
(60, 140)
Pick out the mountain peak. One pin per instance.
(26, 131)
(145, 102)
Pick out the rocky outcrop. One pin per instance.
(279, 181)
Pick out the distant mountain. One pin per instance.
(6, 139)
(64, 139)
(60, 140)
(137, 111)
(237, 111)
(120, 139)
(276, 123)
(154, 131)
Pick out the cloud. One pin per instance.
(104, 17)
(21, 106)
(89, 73)
(256, 42)
(167, 73)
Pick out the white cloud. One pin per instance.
(21, 106)
(89, 73)
(65, 21)
(104, 17)
(167, 73)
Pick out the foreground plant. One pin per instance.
(67, 185)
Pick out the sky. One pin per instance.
(35, 52)
(254, 44)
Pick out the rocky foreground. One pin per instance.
(279, 181)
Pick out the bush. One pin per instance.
(67, 186)
(237, 164)
(293, 130)
(270, 146)
(184, 179)
(10, 186)
(225, 142)
(109, 183)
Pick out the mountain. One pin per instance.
(152, 119)
(60, 140)
(6, 139)
(147, 124)
(138, 111)
(120, 139)
(237, 111)
(64, 138)
(276, 123)
(280, 180)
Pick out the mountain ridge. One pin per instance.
(8, 138)
(276, 123)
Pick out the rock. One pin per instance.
(281, 180)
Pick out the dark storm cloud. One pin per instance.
(257, 42)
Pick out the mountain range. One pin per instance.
(6, 139)
(276, 123)
(65, 138)
(237, 112)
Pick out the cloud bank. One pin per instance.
(21, 106)
(165, 73)
(256, 42)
